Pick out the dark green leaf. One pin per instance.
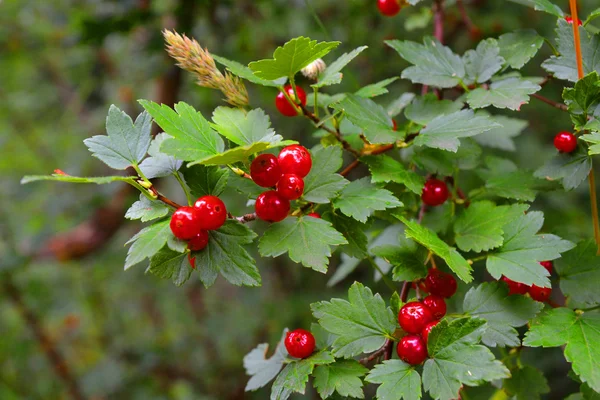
(408, 263)
(542, 5)
(169, 264)
(204, 180)
(343, 376)
(385, 169)
(360, 198)
(526, 383)
(583, 99)
(397, 380)
(147, 242)
(323, 183)
(571, 168)
(146, 210)
(579, 272)
(400, 103)
(295, 375)
(483, 62)
(517, 48)
(354, 232)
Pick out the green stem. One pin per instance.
(188, 195)
(141, 174)
(500, 394)
(590, 309)
(316, 105)
(465, 87)
(386, 280)
(549, 43)
(289, 99)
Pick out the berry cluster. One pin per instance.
(193, 223)
(537, 293)
(418, 318)
(299, 343)
(283, 104)
(565, 142)
(435, 192)
(286, 173)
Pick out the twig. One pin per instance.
(338, 135)
(377, 353)
(438, 20)
(246, 218)
(404, 292)
(553, 103)
(473, 30)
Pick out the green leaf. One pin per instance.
(307, 240)
(517, 48)
(483, 62)
(501, 137)
(126, 142)
(408, 263)
(479, 228)
(385, 169)
(583, 99)
(594, 140)
(332, 74)
(509, 93)
(400, 104)
(322, 182)
(433, 63)
(343, 376)
(246, 186)
(519, 257)
(571, 168)
(346, 267)
(581, 334)
(99, 180)
(360, 198)
(159, 164)
(565, 65)
(397, 380)
(291, 58)
(504, 180)
(354, 232)
(234, 155)
(543, 5)
(457, 359)
(226, 254)
(445, 162)
(418, 20)
(444, 131)
(192, 138)
(579, 272)
(295, 375)
(204, 180)
(526, 383)
(426, 108)
(370, 117)
(147, 242)
(246, 73)
(244, 128)
(146, 210)
(261, 369)
(362, 324)
(592, 16)
(169, 264)
(431, 241)
(503, 313)
(375, 89)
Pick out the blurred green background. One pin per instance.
(125, 335)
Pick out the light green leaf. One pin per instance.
(204, 180)
(594, 140)
(360, 198)
(246, 73)
(99, 180)
(526, 383)
(169, 264)
(147, 242)
(397, 380)
(571, 168)
(509, 93)
(400, 104)
(332, 74)
(579, 272)
(483, 62)
(159, 164)
(426, 108)
(245, 128)
(501, 136)
(517, 48)
(146, 210)
(234, 155)
(322, 182)
(261, 369)
(385, 169)
(375, 89)
(295, 375)
(343, 377)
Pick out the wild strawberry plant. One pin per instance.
(408, 218)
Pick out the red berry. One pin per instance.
(272, 207)
(185, 223)
(412, 349)
(436, 305)
(265, 170)
(300, 343)
(541, 294)
(515, 287)
(290, 186)
(569, 19)
(440, 283)
(284, 106)
(212, 212)
(414, 316)
(435, 192)
(427, 330)
(295, 159)
(314, 215)
(565, 142)
(548, 265)
(198, 242)
(389, 8)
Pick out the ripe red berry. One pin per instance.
(427, 331)
(184, 223)
(211, 211)
(314, 215)
(440, 283)
(284, 106)
(569, 19)
(565, 142)
(515, 287)
(271, 206)
(414, 316)
(548, 265)
(436, 305)
(300, 343)
(435, 192)
(389, 8)
(265, 170)
(412, 349)
(198, 242)
(541, 294)
(295, 159)
(290, 186)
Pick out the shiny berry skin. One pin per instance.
(413, 317)
(541, 294)
(284, 106)
(290, 186)
(565, 142)
(265, 171)
(515, 287)
(300, 343)
(436, 304)
(185, 223)
(271, 206)
(295, 159)
(440, 283)
(211, 211)
(427, 330)
(412, 349)
(389, 8)
(198, 242)
(435, 192)
(548, 265)
(569, 19)
(314, 215)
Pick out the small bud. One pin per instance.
(312, 70)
